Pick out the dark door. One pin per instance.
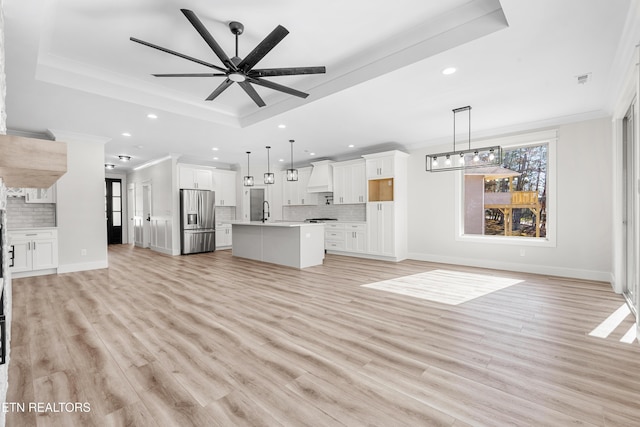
(113, 210)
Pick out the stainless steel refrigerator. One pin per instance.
(197, 221)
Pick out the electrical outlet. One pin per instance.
(522, 252)
(83, 252)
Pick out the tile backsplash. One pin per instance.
(26, 215)
(225, 213)
(357, 212)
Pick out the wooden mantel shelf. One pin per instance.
(30, 162)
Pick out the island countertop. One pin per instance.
(279, 224)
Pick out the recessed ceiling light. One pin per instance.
(215, 148)
(449, 70)
(109, 166)
(152, 116)
(282, 126)
(351, 145)
(139, 147)
(215, 158)
(312, 154)
(281, 160)
(124, 158)
(126, 134)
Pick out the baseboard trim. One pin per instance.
(33, 273)
(573, 273)
(71, 268)
(162, 250)
(365, 255)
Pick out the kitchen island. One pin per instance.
(293, 244)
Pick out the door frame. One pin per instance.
(631, 208)
(109, 210)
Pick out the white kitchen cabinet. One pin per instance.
(349, 182)
(34, 251)
(193, 177)
(380, 165)
(40, 195)
(295, 192)
(224, 238)
(382, 229)
(224, 184)
(346, 237)
(356, 238)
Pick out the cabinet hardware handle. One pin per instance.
(31, 234)
(34, 246)
(12, 251)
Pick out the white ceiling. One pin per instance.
(71, 66)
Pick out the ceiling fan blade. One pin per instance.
(263, 48)
(291, 71)
(252, 93)
(190, 75)
(276, 86)
(223, 86)
(206, 35)
(172, 52)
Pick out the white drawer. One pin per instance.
(333, 226)
(334, 235)
(32, 234)
(335, 245)
(356, 227)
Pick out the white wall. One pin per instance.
(82, 231)
(584, 212)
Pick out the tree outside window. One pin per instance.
(509, 200)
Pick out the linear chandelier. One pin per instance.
(466, 158)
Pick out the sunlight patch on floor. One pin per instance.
(630, 336)
(609, 324)
(444, 286)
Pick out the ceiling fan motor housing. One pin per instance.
(236, 27)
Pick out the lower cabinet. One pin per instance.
(33, 251)
(346, 237)
(380, 218)
(223, 236)
(356, 238)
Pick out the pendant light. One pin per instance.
(292, 174)
(248, 180)
(269, 177)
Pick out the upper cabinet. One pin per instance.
(380, 165)
(30, 162)
(349, 182)
(295, 192)
(224, 184)
(194, 177)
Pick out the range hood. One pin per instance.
(321, 179)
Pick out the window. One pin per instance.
(511, 203)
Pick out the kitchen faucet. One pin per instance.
(265, 212)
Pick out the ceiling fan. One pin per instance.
(236, 69)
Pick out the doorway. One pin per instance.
(631, 223)
(113, 210)
(256, 203)
(146, 212)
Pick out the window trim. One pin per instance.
(549, 137)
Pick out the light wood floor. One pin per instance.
(208, 340)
